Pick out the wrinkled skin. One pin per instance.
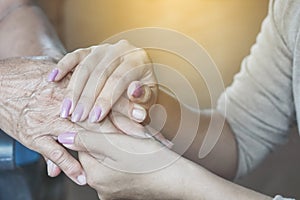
(30, 110)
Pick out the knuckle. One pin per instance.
(57, 156)
(72, 169)
(78, 54)
(60, 158)
(141, 53)
(29, 141)
(123, 42)
(79, 51)
(99, 48)
(138, 56)
(121, 47)
(68, 56)
(63, 63)
(34, 142)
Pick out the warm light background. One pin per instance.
(225, 28)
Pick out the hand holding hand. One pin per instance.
(123, 167)
(102, 75)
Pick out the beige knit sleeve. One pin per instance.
(259, 103)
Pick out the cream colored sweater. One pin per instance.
(264, 99)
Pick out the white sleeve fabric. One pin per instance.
(259, 104)
(278, 197)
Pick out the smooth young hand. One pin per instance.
(103, 74)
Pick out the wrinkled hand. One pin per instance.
(30, 113)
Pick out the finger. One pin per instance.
(76, 86)
(59, 155)
(66, 64)
(91, 142)
(140, 93)
(149, 79)
(133, 111)
(94, 84)
(94, 169)
(52, 169)
(128, 126)
(106, 126)
(115, 86)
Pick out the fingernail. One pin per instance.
(81, 179)
(138, 113)
(65, 109)
(138, 91)
(135, 89)
(95, 114)
(52, 75)
(66, 138)
(50, 168)
(77, 114)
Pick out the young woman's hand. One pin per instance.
(123, 167)
(102, 74)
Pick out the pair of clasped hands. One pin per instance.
(111, 88)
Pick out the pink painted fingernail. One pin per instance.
(66, 138)
(138, 91)
(77, 114)
(81, 179)
(95, 114)
(52, 75)
(65, 108)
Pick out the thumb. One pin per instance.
(140, 93)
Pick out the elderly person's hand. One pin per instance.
(30, 113)
(102, 75)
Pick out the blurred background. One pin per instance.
(225, 28)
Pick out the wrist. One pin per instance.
(177, 181)
(191, 180)
(199, 183)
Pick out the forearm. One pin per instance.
(198, 183)
(26, 31)
(222, 159)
